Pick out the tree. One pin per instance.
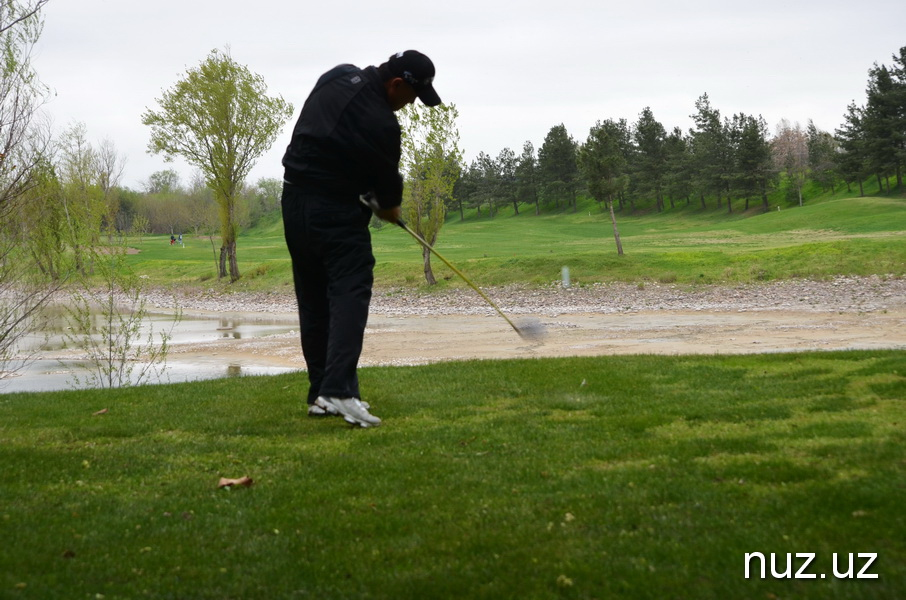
(431, 162)
(465, 189)
(220, 119)
(108, 167)
(603, 164)
(107, 319)
(650, 157)
(822, 156)
(82, 200)
(140, 227)
(898, 99)
(678, 180)
(752, 158)
(710, 151)
(884, 120)
(268, 191)
(527, 177)
(790, 152)
(484, 171)
(162, 182)
(506, 183)
(557, 168)
(852, 160)
(26, 183)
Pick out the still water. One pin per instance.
(51, 372)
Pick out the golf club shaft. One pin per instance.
(428, 246)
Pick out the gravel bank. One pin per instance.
(843, 294)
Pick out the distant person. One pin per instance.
(345, 144)
(172, 239)
(179, 241)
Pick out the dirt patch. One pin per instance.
(111, 250)
(414, 340)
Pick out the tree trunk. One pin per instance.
(702, 196)
(429, 273)
(221, 264)
(861, 191)
(729, 204)
(616, 232)
(234, 263)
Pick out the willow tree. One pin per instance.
(24, 169)
(220, 119)
(431, 161)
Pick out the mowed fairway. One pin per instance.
(852, 236)
(612, 477)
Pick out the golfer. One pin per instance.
(345, 144)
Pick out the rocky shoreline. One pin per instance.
(843, 294)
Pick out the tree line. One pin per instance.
(722, 161)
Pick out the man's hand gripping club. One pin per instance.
(391, 215)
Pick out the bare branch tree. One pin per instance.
(790, 151)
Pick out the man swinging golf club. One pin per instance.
(346, 143)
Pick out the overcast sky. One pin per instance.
(513, 69)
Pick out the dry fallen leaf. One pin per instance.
(226, 482)
(103, 411)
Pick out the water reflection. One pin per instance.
(48, 373)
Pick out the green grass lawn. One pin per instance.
(612, 477)
(849, 236)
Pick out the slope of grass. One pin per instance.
(617, 477)
(848, 236)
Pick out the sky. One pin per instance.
(514, 70)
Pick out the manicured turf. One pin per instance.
(849, 236)
(612, 477)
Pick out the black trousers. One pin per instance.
(333, 271)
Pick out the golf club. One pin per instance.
(529, 331)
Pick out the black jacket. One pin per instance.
(347, 139)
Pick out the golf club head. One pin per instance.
(531, 330)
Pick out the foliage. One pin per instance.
(608, 477)
(527, 177)
(790, 152)
(753, 174)
(220, 119)
(557, 168)
(106, 315)
(648, 157)
(430, 160)
(602, 161)
(27, 247)
(873, 137)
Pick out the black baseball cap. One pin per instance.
(417, 70)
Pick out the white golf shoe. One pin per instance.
(353, 410)
(322, 408)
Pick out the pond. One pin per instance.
(52, 369)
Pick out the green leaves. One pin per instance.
(431, 163)
(220, 119)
